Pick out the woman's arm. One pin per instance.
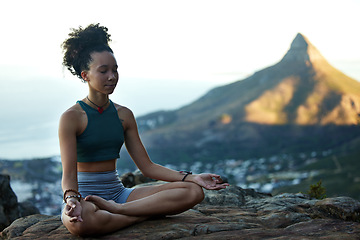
(68, 128)
(67, 140)
(152, 170)
(138, 152)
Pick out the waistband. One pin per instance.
(97, 176)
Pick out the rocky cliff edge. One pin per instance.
(233, 213)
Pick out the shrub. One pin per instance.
(317, 191)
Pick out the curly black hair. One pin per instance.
(81, 43)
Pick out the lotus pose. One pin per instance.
(91, 133)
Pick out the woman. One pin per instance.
(91, 134)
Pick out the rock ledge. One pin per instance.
(233, 213)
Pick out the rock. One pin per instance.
(131, 179)
(233, 213)
(10, 209)
(344, 208)
(233, 196)
(27, 208)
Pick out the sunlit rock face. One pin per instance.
(282, 108)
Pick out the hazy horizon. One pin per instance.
(175, 50)
(39, 138)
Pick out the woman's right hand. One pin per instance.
(73, 209)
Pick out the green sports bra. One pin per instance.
(103, 137)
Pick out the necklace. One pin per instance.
(99, 108)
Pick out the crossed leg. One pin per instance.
(98, 221)
(102, 216)
(165, 199)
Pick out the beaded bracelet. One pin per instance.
(186, 174)
(72, 190)
(73, 196)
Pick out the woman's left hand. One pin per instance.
(209, 181)
(73, 209)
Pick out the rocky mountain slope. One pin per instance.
(295, 105)
(303, 88)
(233, 213)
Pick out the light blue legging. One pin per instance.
(103, 184)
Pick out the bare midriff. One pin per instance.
(101, 166)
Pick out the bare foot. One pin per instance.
(108, 205)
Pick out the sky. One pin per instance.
(169, 52)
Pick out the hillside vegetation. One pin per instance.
(300, 105)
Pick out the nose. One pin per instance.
(112, 76)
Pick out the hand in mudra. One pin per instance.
(73, 210)
(210, 181)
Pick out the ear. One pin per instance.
(84, 76)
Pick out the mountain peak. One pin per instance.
(295, 105)
(301, 50)
(299, 42)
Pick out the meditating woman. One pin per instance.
(91, 133)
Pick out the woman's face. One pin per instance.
(102, 75)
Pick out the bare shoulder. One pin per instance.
(122, 109)
(125, 114)
(73, 118)
(73, 112)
